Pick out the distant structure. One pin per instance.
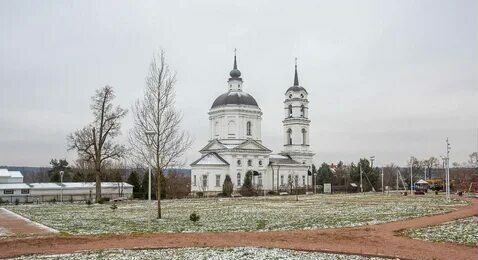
(13, 189)
(7, 176)
(235, 142)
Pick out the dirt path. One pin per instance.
(375, 240)
(12, 224)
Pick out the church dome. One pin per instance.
(234, 98)
(235, 73)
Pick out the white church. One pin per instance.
(235, 143)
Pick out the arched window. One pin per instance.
(238, 162)
(289, 136)
(248, 127)
(216, 128)
(302, 111)
(231, 128)
(290, 110)
(238, 179)
(304, 136)
(249, 162)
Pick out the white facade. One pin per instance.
(235, 145)
(68, 191)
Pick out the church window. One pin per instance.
(301, 95)
(249, 163)
(282, 180)
(249, 130)
(231, 128)
(259, 180)
(290, 95)
(304, 136)
(303, 180)
(216, 128)
(296, 180)
(238, 162)
(204, 181)
(194, 180)
(239, 179)
(290, 110)
(260, 162)
(218, 180)
(289, 136)
(302, 111)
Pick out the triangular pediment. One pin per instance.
(211, 159)
(251, 145)
(214, 145)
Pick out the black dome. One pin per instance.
(296, 89)
(234, 98)
(235, 73)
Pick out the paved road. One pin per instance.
(12, 224)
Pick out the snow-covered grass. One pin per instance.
(239, 214)
(241, 253)
(462, 231)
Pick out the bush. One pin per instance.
(261, 224)
(53, 200)
(114, 206)
(200, 194)
(88, 202)
(194, 217)
(71, 199)
(227, 186)
(103, 200)
(17, 201)
(271, 192)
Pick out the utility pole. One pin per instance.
(447, 169)
(411, 175)
(360, 170)
(398, 172)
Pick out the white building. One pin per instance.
(235, 142)
(68, 191)
(11, 191)
(7, 176)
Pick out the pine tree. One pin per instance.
(247, 189)
(133, 179)
(227, 186)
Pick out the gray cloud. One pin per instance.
(391, 78)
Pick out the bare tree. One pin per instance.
(157, 112)
(95, 142)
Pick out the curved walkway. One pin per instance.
(375, 240)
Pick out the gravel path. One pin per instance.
(375, 240)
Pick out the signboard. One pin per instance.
(327, 188)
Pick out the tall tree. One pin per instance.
(157, 139)
(56, 167)
(133, 179)
(95, 142)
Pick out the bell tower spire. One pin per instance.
(235, 81)
(296, 123)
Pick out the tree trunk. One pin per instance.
(98, 186)
(158, 192)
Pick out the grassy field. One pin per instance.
(239, 214)
(201, 253)
(462, 231)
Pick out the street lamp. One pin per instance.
(149, 138)
(448, 148)
(411, 175)
(61, 184)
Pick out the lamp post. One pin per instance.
(61, 184)
(149, 136)
(447, 169)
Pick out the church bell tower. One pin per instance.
(296, 123)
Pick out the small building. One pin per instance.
(7, 176)
(68, 191)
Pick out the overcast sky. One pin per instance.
(386, 78)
